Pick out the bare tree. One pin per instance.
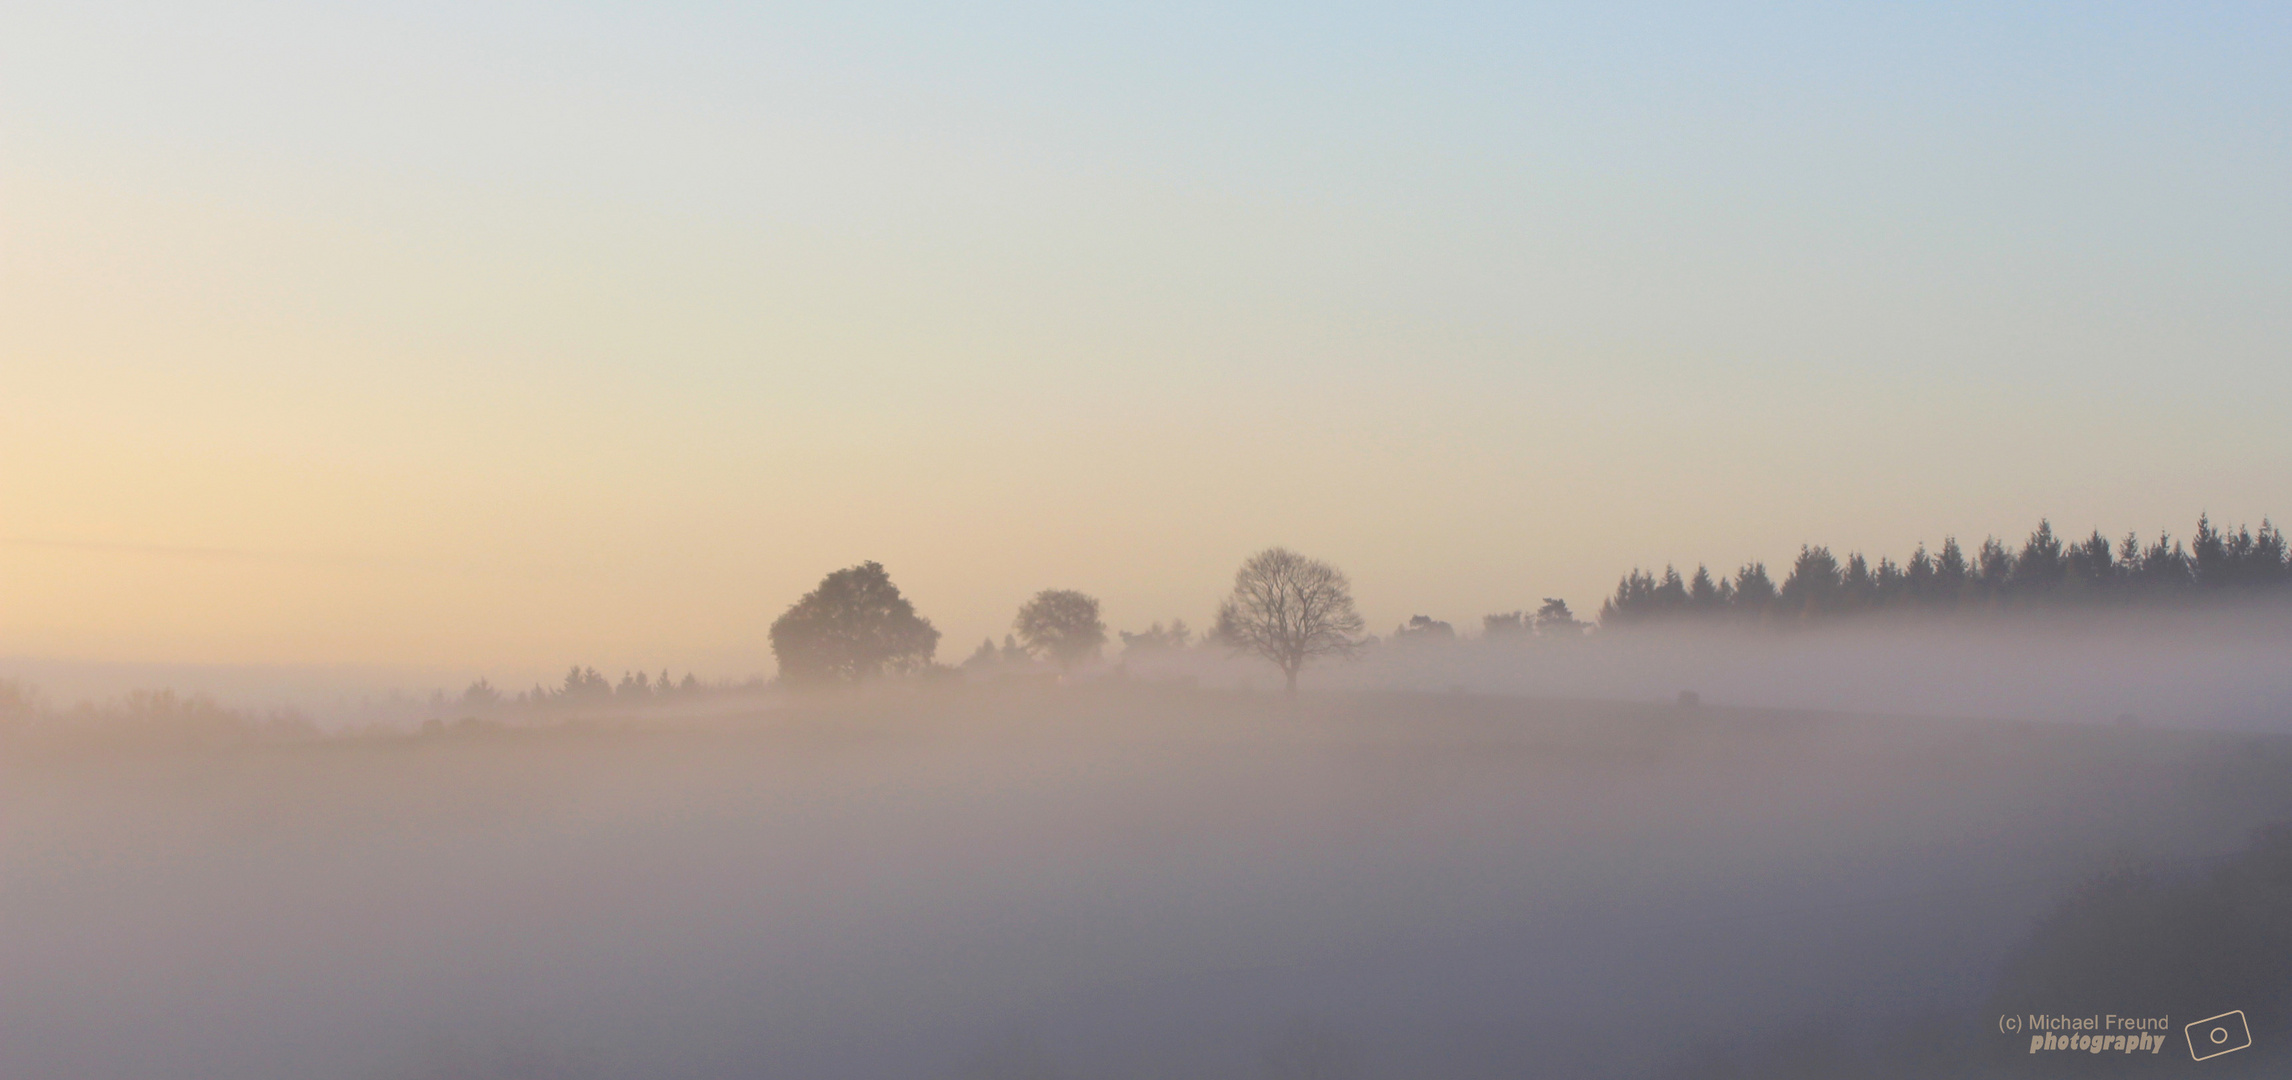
(1289, 609)
(1063, 625)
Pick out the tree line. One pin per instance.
(2045, 573)
(1290, 610)
(855, 627)
(587, 686)
(147, 718)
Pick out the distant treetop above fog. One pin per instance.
(2045, 573)
(1062, 626)
(1425, 628)
(854, 627)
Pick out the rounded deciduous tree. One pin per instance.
(1289, 609)
(854, 627)
(1061, 625)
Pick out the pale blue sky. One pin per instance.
(518, 334)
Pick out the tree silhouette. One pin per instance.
(1754, 590)
(1157, 639)
(1062, 626)
(2090, 567)
(1702, 592)
(480, 695)
(1813, 585)
(853, 628)
(1993, 568)
(18, 703)
(982, 657)
(2041, 567)
(1506, 626)
(2231, 565)
(1425, 629)
(1555, 620)
(1951, 574)
(2209, 553)
(585, 682)
(1289, 609)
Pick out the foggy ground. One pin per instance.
(2222, 667)
(1035, 882)
(2216, 666)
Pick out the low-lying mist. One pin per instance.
(2217, 667)
(2224, 668)
(2221, 668)
(1128, 878)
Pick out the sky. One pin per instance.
(500, 336)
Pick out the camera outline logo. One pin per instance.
(2217, 1035)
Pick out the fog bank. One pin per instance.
(1084, 882)
(2221, 669)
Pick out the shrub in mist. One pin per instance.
(1425, 630)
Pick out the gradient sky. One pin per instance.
(498, 336)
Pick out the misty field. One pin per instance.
(1094, 882)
